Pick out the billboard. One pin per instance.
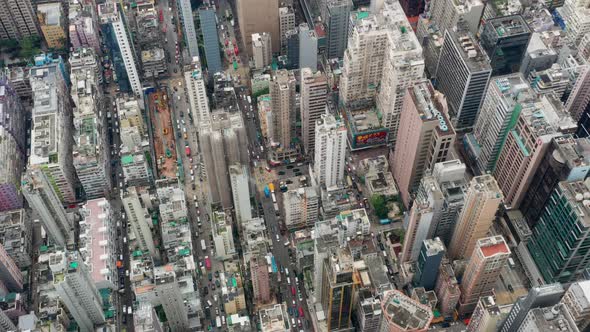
(368, 139)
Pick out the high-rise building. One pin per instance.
(479, 211)
(481, 274)
(425, 137)
(112, 16)
(301, 206)
(486, 315)
(577, 300)
(292, 49)
(140, 221)
(16, 236)
(542, 296)
(51, 135)
(428, 263)
(330, 151)
(17, 19)
(525, 145)
(187, 20)
(505, 97)
(88, 151)
(145, 319)
(208, 18)
(364, 59)
(240, 187)
(396, 310)
(260, 279)
(417, 223)
(83, 29)
(76, 290)
(404, 64)
(43, 199)
(463, 73)
(10, 274)
(5, 323)
(447, 290)
(257, 16)
(286, 23)
(352, 224)
(282, 98)
(505, 40)
(368, 311)
(197, 92)
(52, 21)
(308, 48)
(314, 92)
(567, 158)
(552, 318)
(413, 8)
(13, 144)
(261, 49)
(576, 16)
(340, 281)
(560, 256)
(223, 237)
(579, 99)
(169, 295)
(449, 14)
(335, 15)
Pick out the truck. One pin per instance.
(231, 22)
(385, 221)
(271, 186)
(203, 245)
(218, 321)
(249, 100)
(187, 150)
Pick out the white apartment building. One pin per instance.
(223, 238)
(314, 91)
(261, 49)
(240, 187)
(140, 220)
(109, 14)
(76, 289)
(301, 207)
(197, 93)
(330, 151)
(88, 152)
(403, 65)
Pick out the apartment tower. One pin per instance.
(17, 19)
(197, 92)
(140, 221)
(314, 92)
(330, 151)
(282, 94)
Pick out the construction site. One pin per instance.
(163, 134)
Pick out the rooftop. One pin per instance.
(577, 193)
(52, 13)
(507, 26)
(469, 50)
(556, 318)
(272, 319)
(404, 313)
(491, 246)
(96, 238)
(431, 106)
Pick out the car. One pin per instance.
(127, 273)
(281, 172)
(124, 308)
(290, 167)
(217, 283)
(212, 286)
(216, 274)
(296, 170)
(210, 276)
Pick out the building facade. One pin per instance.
(314, 92)
(330, 151)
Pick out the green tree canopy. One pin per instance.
(379, 204)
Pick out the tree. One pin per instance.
(380, 206)
(29, 47)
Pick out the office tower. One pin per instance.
(257, 16)
(121, 41)
(505, 40)
(368, 311)
(292, 48)
(83, 29)
(481, 274)
(140, 220)
(505, 97)
(169, 295)
(17, 19)
(479, 211)
(542, 296)
(260, 279)
(577, 301)
(52, 23)
(301, 206)
(208, 18)
(444, 190)
(418, 221)
(560, 256)
(335, 15)
(339, 284)
(330, 151)
(525, 145)
(88, 151)
(286, 23)
(197, 92)
(397, 309)
(282, 98)
(463, 74)
(12, 143)
(261, 50)
(43, 199)
(447, 290)
(403, 65)
(553, 318)
(314, 92)
(51, 135)
(576, 16)
(363, 60)
(76, 290)
(187, 20)
(425, 136)
(308, 48)
(240, 187)
(428, 263)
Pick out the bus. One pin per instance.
(235, 65)
(218, 321)
(207, 263)
(203, 245)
